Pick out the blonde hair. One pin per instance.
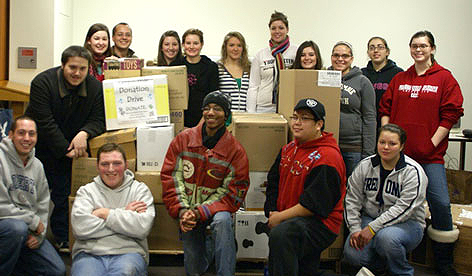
(244, 60)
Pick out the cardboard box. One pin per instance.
(153, 181)
(462, 218)
(126, 138)
(256, 195)
(164, 234)
(71, 235)
(335, 250)
(178, 83)
(136, 102)
(322, 85)
(459, 185)
(122, 68)
(251, 241)
(177, 118)
(85, 169)
(262, 137)
(152, 144)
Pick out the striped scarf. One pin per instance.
(277, 51)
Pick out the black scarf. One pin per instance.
(210, 141)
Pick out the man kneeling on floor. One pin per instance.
(205, 178)
(111, 218)
(305, 192)
(24, 206)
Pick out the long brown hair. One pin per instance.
(161, 61)
(93, 29)
(244, 60)
(297, 63)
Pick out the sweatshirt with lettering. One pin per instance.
(357, 118)
(24, 191)
(261, 80)
(420, 104)
(398, 199)
(380, 79)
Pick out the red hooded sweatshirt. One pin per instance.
(420, 104)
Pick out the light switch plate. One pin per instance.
(27, 57)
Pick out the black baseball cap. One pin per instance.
(316, 107)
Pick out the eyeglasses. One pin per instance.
(302, 119)
(379, 47)
(344, 56)
(421, 46)
(215, 109)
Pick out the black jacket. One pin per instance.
(381, 79)
(61, 113)
(202, 79)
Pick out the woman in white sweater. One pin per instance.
(265, 69)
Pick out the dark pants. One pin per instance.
(295, 246)
(58, 174)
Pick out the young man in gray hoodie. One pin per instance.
(24, 206)
(111, 218)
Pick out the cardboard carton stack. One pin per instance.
(262, 136)
(134, 106)
(178, 91)
(323, 85)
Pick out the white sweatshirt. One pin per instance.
(124, 231)
(261, 80)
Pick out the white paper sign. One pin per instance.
(135, 100)
(329, 78)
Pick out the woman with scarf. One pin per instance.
(97, 42)
(265, 69)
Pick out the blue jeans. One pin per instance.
(198, 254)
(351, 159)
(17, 258)
(437, 196)
(389, 247)
(122, 264)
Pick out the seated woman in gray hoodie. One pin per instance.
(111, 219)
(357, 117)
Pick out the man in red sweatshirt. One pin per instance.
(306, 188)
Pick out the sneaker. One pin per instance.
(63, 247)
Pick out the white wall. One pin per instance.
(325, 22)
(62, 28)
(31, 25)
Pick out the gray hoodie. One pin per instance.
(123, 231)
(403, 194)
(24, 191)
(357, 118)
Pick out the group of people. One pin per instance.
(375, 181)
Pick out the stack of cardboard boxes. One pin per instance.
(143, 110)
(263, 135)
(128, 86)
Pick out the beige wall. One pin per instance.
(31, 25)
(325, 22)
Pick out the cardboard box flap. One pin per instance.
(119, 137)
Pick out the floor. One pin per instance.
(172, 265)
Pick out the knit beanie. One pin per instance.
(220, 99)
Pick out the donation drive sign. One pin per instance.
(136, 102)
